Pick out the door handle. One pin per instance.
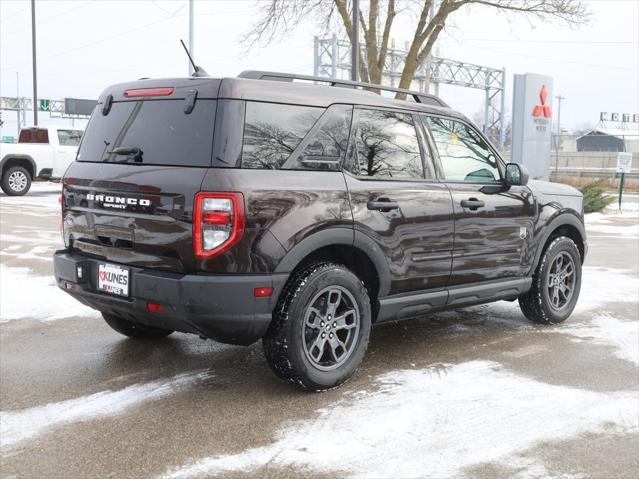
(472, 204)
(382, 204)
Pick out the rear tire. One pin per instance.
(134, 330)
(556, 284)
(16, 181)
(320, 328)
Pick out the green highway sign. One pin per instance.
(8, 139)
(44, 105)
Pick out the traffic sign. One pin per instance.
(624, 165)
(624, 162)
(44, 105)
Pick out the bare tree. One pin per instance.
(376, 19)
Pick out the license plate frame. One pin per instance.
(113, 279)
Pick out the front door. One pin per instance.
(493, 223)
(397, 202)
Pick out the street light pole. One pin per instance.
(355, 41)
(191, 46)
(558, 137)
(33, 58)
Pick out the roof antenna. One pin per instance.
(197, 71)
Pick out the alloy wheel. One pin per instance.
(331, 328)
(561, 280)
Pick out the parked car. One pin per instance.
(301, 214)
(41, 152)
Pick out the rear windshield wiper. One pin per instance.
(132, 153)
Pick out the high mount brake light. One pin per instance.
(149, 92)
(218, 223)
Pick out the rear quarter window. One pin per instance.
(273, 131)
(160, 128)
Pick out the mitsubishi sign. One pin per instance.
(532, 121)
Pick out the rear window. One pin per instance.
(34, 135)
(161, 129)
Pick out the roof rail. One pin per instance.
(419, 97)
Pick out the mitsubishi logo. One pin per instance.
(542, 108)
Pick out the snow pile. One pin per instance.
(16, 426)
(432, 423)
(25, 296)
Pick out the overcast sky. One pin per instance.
(83, 46)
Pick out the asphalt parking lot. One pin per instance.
(478, 393)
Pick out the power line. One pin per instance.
(575, 42)
(557, 60)
(77, 7)
(65, 52)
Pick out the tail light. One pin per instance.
(61, 202)
(218, 223)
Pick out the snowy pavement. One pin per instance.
(479, 392)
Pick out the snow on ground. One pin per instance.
(434, 422)
(41, 199)
(607, 330)
(600, 286)
(16, 426)
(26, 296)
(608, 221)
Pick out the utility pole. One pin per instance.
(355, 41)
(191, 46)
(33, 58)
(558, 137)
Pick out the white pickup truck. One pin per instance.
(41, 152)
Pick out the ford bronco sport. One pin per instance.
(301, 211)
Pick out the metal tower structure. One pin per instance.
(69, 108)
(333, 60)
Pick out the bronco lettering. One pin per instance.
(117, 201)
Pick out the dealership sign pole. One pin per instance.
(531, 127)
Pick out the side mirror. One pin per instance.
(516, 174)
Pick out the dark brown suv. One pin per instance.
(301, 213)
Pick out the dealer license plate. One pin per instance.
(113, 279)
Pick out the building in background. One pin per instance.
(608, 139)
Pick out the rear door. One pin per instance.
(397, 201)
(493, 223)
(136, 208)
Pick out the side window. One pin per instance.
(464, 155)
(69, 137)
(327, 142)
(273, 131)
(387, 145)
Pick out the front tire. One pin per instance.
(134, 330)
(320, 327)
(16, 181)
(556, 284)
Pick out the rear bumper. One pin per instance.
(220, 307)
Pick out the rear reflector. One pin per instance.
(149, 92)
(155, 307)
(263, 292)
(216, 218)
